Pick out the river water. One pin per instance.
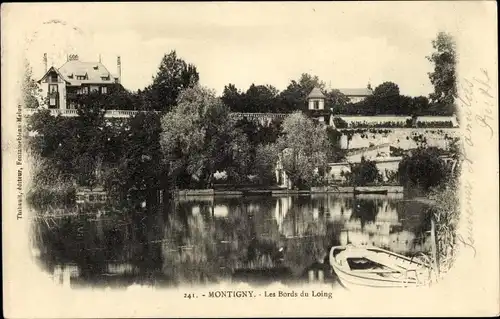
(200, 240)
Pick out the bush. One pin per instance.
(364, 173)
(422, 168)
(339, 122)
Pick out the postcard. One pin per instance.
(250, 159)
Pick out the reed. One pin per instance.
(445, 212)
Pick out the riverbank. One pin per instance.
(314, 190)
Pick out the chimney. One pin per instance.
(45, 61)
(73, 57)
(119, 69)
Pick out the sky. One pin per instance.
(346, 44)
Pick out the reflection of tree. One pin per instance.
(365, 210)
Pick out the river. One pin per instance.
(200, 240)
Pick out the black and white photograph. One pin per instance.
(212, 159)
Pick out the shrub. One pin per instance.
(422, 168)
(364, 173)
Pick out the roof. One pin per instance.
(94, 71)
(356, 92)
(53, 69)
(316, 94)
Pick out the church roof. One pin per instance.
(316, 94)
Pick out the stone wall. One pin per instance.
(405, 138)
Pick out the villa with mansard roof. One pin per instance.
(63, 85)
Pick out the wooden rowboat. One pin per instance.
(365, 267)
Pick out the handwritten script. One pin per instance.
(476, 101)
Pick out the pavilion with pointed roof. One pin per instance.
(316, 105)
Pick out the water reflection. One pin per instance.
(200, 240)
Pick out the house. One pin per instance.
(356, 95)
(63, 85)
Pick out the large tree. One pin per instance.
(233, 98)
(199, 138)
(173, 75)
(294, 97)
(260, 99)
(140, 168)
(303, 148)
(443, 78)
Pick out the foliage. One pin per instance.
(303, 148)
(140, 167)
(423, 168)
(29, 88)
(294, 97)
(173, 75)
(75, 146)
(336, 153)
(199, 138)
(364, 172)
(266, 157)
(339, 122)
(335, 98)
(443, 78)
(446, 213)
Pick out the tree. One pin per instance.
(199, 138)
(386, 99)
(336, 153)
(29, 88)
(294, 97)
(303, 148)
(140, 168)
(364, 172)
(423, 169)
(443, 78)
(74, 146)
(233, 98)
(386, 90)
(335, 99)
(266, 157)
(420, 105)
(260, 99)
(174, 75)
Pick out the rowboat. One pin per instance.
(373, 267)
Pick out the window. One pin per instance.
(52, 88)
(53, 77)
(80, 77)
(83, 90)
(52, 101)
(104, 90)
(94, 89)
(105, 78)
(316, 105)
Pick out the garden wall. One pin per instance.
(405, 138)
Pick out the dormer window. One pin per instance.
(80, 77)
(105, 78)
